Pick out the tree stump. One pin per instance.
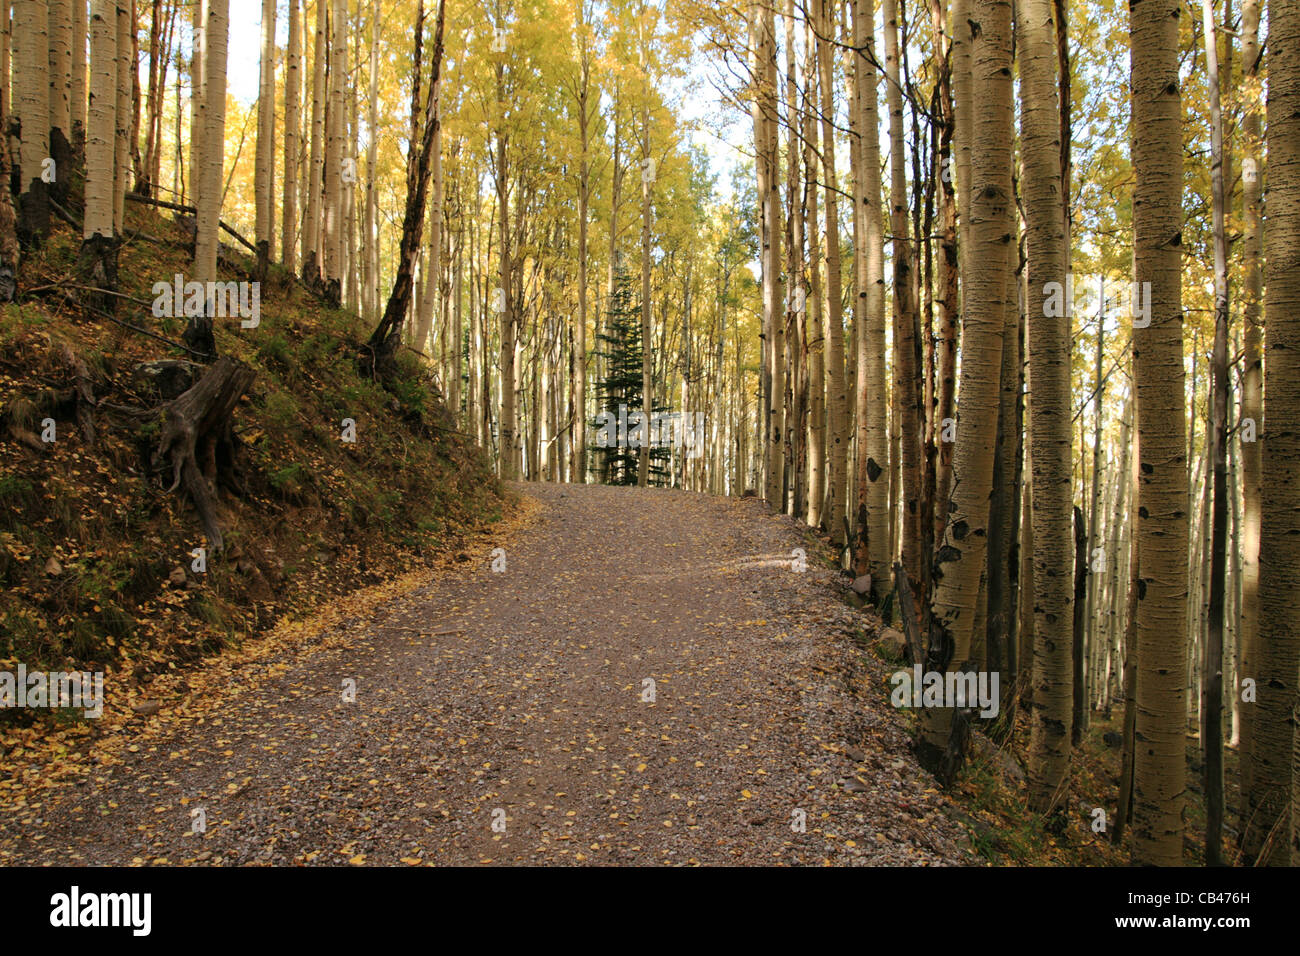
(65, 165)
(96, 268)
(83, 394)
(198, 441)
(166, 379)
(33, 214)
(328, 291)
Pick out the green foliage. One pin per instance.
(274, 351)
(16, 495)
(282, 410)
(90, 536)
(621, 388)
(288, 480)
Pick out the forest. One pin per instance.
(982, 316)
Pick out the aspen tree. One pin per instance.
(146, 175)
(60, 75)
(77, 89)
(1050, 407)
(209, 184)
(872, 462)
(580, 89)
(1124, 807)
(1252, 393)
(1212, 685)
(1115, 560)
(1279, 579)
(32, 104)
(944, 385)
(386, 337)
(960, 555)
(198, 63)
(507, 427)
(102, 122)
(1160, 758)
(757, 55)
(292, 127)
(351, 275)
(9, 248)
(474, 388)
(313, 249)
(370, 228)
(792, 438)
(264, 168)
(6, 98)
(125, 31)
(433, 262)
(96, 265)
(906, 328)
(961, 31)
(995, 602)
(648, 175)
(336, 130)
(837, 398)
(813, 305)
(458, 322)
(136, 161)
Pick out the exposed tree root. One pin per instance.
(197, 439)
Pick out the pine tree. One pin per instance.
(622, 388)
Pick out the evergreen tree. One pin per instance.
(622, 386)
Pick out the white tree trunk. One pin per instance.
(211, 160)
(100, 131)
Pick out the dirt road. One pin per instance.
(646, 678)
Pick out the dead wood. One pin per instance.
(197, 439)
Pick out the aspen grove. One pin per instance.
(997, 303)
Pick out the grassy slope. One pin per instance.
(321, 518)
